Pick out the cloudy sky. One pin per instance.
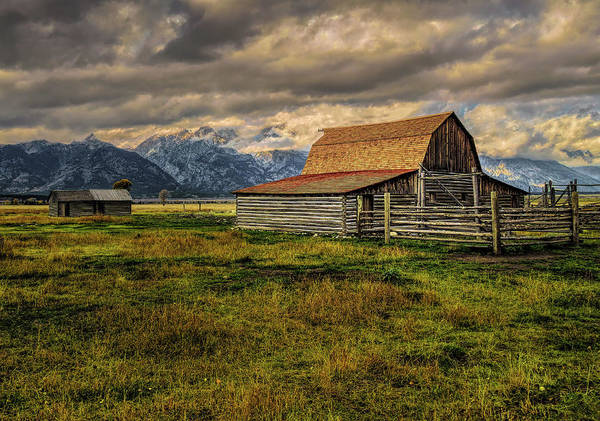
(524, 75)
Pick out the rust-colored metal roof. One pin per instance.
(380, 146)
(338, 182)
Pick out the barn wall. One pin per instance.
(404, 184)
(451, 149)
(52, 206)
(314, 214)
(77, 209)
(117, 208)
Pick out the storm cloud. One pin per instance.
(525, 76)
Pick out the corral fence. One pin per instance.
(490, 226)
(553, 194)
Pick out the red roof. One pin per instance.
(338, 182)
(380, 146)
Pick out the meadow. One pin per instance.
(177, 315)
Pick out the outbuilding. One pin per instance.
(89, 202)
(424, 161)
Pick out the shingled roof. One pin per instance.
(381, 146)
(102, 195)
(340, 182)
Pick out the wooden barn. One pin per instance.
(89, 202)
(423, 161)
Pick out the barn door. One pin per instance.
(367, 209)
(62, 209)
(101, 208)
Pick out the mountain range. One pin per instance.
(208, 162)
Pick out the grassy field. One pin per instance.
(173, 315)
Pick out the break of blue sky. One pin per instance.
(523, 75)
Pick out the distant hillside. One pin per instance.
(590, 171)
(204, 161)
(41, 166)
(523, 172)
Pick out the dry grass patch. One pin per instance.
(350, 303)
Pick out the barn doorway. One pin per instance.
(368, 202)
(64, 209)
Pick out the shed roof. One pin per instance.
(339, 182)
(102, 195)
(379, 146)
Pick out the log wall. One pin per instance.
(313, 214)
(90, 208)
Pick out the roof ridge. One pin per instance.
(373, 139)
(390, 122)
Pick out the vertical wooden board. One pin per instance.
(575, 218)
(386, 217)
(495, 224)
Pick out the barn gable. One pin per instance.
(451, 148)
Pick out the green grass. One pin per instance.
(171, 316)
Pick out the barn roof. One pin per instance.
(339, 182)
(380, 146)
(106, 195)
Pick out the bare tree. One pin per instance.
(162, 195)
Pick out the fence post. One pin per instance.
(386, 218)
(495, 224)
(545, 199)
(552, 194)
(421, 188)
(359, 205)
(344, 216)
(475, 187)
(575, 215)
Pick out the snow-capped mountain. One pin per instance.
(41, 166)
(205, 161)
(523, 172)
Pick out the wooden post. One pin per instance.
(386, 218)
(529, 198)
(495, 224)
(344, 214)
(575, 185)
(545, 198)
(475, 187)
(423, 196)
(183, 206)
(552, 194)
(359, 205)
(199, 206)
(575, 221)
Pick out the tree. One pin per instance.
(123, 184)
(162, 195)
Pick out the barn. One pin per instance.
(89, 202)
(423, 161)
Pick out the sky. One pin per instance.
(522, 75)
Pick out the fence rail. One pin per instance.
(489, 226)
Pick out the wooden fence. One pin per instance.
(490, 226)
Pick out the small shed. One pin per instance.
(89, 202)
(423, 161)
